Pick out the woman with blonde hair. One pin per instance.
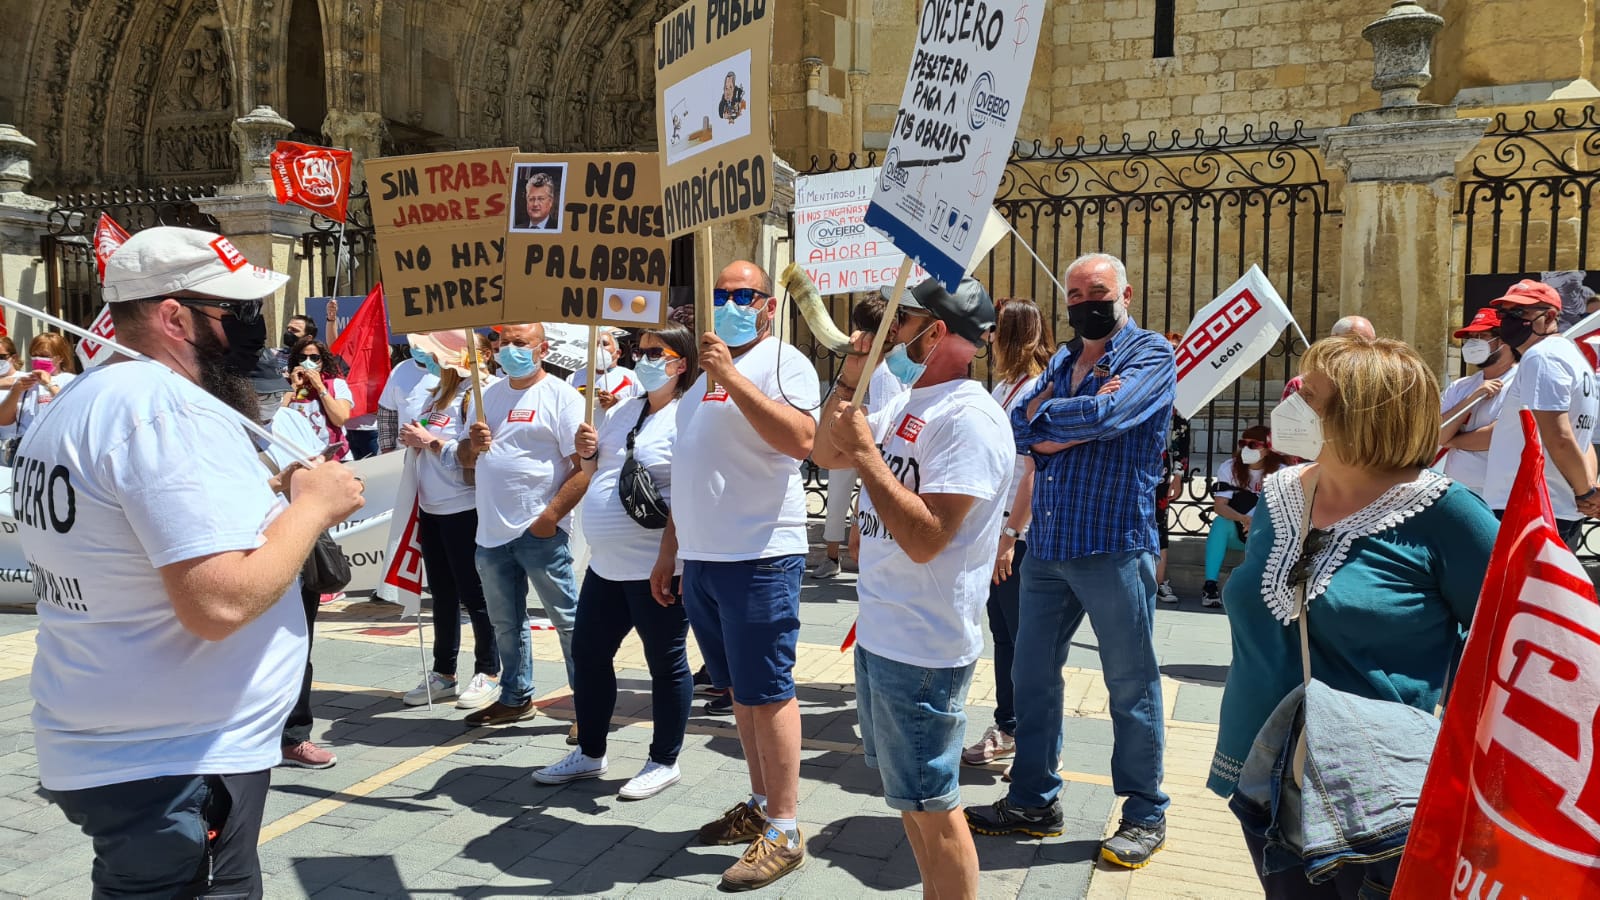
(51, 367)
(1379, 558)
(1021, 350)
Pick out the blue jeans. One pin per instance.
(363, 442)
(1118, 592)
(506, 571)
(1003, 601)
(1224, 536)
(912, 721)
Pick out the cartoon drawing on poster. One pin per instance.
(540, 196)
(708, 108)
(958, 117)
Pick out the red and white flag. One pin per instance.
(317, 178)
(364, 346)
(403, 575)
(1226, 338)
(108, 236)
(1511, 805)
(93, 353)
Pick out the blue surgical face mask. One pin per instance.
(900, 365)
(652, 373)
(426, 360)
(736, 324)
(518, 362)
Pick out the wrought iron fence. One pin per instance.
(342, 257)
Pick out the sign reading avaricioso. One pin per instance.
(712, 124)
(952, 136)
(587, 242)
(440, 220)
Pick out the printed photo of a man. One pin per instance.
(539, 198)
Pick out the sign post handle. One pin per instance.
(704, 279)
(477, 387)
(592, 387)
(883, 332)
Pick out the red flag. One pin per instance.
(364, 346)
(317, 178)
(1511, 804)
(108, 236)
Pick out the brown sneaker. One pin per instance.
(768, 858)
(498, 713)
(739, 825)
(307, 755)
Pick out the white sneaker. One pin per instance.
(826, 569)
(481, 691)
(1165, 593)
(571, 768)
(651, 780)
(440, 687)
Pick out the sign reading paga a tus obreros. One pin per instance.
(953, 134)
(712, 120)
(586, 241)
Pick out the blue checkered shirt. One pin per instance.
(1099, 497)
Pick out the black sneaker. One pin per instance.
(1004, 817)
(719, 703)
(1210, 595)
(1133, 844)
(702, 682)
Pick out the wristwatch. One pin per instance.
(1012, 533)
(1587, 494)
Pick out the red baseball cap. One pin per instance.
(1528, 292)
(1486, 319)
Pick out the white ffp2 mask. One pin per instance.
(1297, 429)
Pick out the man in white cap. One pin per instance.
(171, 637)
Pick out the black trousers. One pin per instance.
(449, 551)
(297, 727)
(607, 611)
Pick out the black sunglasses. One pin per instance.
(654, 353)
(316, 356)
(1316, 541)
(246, 311)
(739, 296)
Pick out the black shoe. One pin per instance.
(1003, 817)
(1210, 595)
(702, 682)
(1133, 844)
(719, 704)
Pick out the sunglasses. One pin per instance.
(313, 356)
(739, 296)
(1250, 444)
(1523, 314)
(654, 353)
(1316, 541)
(4, 356)
(902, 314)
(247, 311)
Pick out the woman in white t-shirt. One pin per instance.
(1022, 349)
(10, 364)
(318, 392)
(447, 526)
(1234, 497)
(615, 597)
(50, 368)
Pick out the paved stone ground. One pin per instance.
(420, 806)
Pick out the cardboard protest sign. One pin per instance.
(831, 239)
(958, 117)
(713, 125)
(440, 220)
(586, 241)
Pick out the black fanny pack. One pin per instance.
(641, 500)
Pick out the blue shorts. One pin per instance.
(912, 723)
(746, 619)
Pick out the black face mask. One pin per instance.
(216, 360)
(246, 341)
(289, 337)
(1515, 332)
(1093, 320)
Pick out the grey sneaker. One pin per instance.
(1165, 593)
(1133, 844)
(828, 568)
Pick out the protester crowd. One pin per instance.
(177, 675)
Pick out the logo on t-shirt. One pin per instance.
(440, 420)
(520, 415)
(718, 394)
(910, 427)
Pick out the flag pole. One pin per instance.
(338, 260)
(883, 330)
(1042, 267)
(591, 388)
(422, 648)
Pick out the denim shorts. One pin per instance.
(912, 723)
(746, 619)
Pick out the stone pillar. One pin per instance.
(1400, 164)
(23, 220)
(858, 110)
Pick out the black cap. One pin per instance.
(968, 312)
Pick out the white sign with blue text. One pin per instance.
(953, 134)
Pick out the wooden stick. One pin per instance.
(883, 332)
(477, 388)
(593, 387)
(705, 280)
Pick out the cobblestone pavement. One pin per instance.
(420, 806)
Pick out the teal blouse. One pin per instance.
(1390, 595)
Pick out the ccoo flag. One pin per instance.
(403, 575)
(1511, 805)
(108, 236)
(1227, 337)
(317, 178)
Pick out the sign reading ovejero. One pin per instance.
(952, 136)
(586, 240)
(831, 239)
(440, 220)
(712, 124)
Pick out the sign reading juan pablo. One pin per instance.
(587, 242)
(440, 220)
(712, 59)
(952, 136)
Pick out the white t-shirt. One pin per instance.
(37, 399)
(950, 438)
(1250, 479)
(406, 392)
(620, 382)
(442, 489)
(620, 549)
(534, 438)
(1008, 394)
(135, 469)
(287, 423)
(311, 408)
(1552, 375)
(739, 499)
(1470, 467)
(882, 387)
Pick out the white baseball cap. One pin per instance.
(163, 261)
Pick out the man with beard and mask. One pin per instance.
(739, 525)
(1557, 384)
(1467, 437)
(166, 567)
(1092, 551)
